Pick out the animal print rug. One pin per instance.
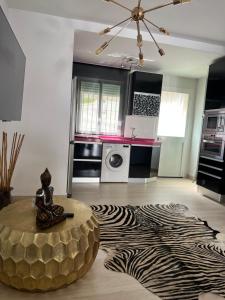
(174, 256)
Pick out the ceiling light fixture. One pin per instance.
(138, 16)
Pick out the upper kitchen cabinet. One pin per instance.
(145, 94)
(215, 96)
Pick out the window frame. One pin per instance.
(121, 105)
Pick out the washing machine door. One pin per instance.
(115, 161)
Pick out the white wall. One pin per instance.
(184, 85)
(48, 45)
(4, 7)
(197, 127)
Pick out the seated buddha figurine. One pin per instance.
(48, 214)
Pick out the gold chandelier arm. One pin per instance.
(119, 4)
(161, 51)
(139, 36)
(108, 29)
(158, 7)
(106, 44)
(120, 23)
(174, 2)
(138, 28)
(161, 29)
(119, 31)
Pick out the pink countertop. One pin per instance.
(115, 140)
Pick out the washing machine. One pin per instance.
(115, 162)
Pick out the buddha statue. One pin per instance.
(48, 214)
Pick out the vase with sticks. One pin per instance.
(7, 166)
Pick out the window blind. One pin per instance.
(98, 108)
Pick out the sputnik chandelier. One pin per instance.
(138, 15)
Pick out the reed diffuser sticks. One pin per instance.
(7, 168)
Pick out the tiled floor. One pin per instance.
(100, 283)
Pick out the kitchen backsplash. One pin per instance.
(141, 127)
(146, 104)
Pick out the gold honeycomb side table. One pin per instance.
(35, 260)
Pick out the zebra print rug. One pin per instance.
(174, 256)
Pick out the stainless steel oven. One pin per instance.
(214, 122)
(212, 147)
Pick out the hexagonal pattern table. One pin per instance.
(35, 260)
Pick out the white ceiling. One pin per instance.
(177, 61)
(201, 20)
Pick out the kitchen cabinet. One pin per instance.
(211, 175)
(215, 95)
(155, 161)
(144, 161)
(88, 151)
(145, 94)
(149, 83)
(87, 169)
(211, 169)
(87, 160)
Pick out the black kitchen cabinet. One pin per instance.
(210, 183)
(87, 169)
(87, 160)
(88, 151)
(211, 175)
(147, 83)
(144, 162)
(155, 161)
(211, 171)
(215, 95)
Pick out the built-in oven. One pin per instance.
(214, 122)
(212, 147)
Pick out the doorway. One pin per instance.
(172, 131)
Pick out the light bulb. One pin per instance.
(163, 30)
(180, 1)
(161, 52)
(101, 48)
(141, 59)
(105, 31)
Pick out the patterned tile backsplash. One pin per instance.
(146, 104)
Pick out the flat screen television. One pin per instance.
(12, 71)
(215, 96)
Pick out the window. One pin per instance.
(173, 114)
(98, 108)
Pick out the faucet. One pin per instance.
(133, 136)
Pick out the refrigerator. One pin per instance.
(71, 137)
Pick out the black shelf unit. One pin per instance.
(87, 160)
(87, 169)
(211, 174)
(88, 151)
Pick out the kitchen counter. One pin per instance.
(88, 160)
(116, 140)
